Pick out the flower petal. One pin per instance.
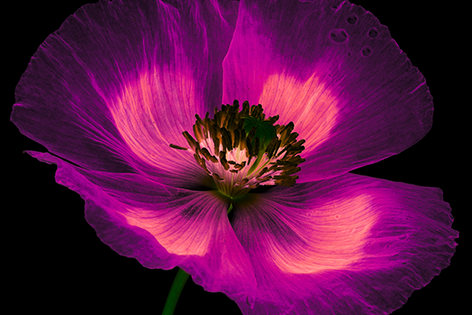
(120, 81)
(336, 73)
(348, 245)
(162, 226)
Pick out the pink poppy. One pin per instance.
(115, 87)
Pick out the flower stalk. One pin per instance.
(174, 293)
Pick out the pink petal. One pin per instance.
(120, 81)
(336, 73)
(162, 226)
(348, 245)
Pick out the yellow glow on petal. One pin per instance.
(152, 112)
(335, 234)
(176, 235)
(309, 104)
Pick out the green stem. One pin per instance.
(174, 292)
(230, 208)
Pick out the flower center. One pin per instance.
(242, 150)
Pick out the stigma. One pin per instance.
(242, 150)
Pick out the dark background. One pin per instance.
(59, 265)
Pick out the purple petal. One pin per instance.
(162, 226)
(336, 73)
(348, 245)
(120, 81)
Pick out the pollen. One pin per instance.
(242, 150)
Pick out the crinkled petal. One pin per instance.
(121, 80)
(347, 245)
(162, 226)
(334, 70)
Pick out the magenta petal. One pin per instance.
(121, 80)
(334, 71)
(348, 245)
(162, 226)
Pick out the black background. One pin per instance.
(59, 265)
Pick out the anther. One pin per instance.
(177, 147)
(191, 141)
(246, 148)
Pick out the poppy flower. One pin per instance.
(119, 95)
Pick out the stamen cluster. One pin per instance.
(240, 160)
